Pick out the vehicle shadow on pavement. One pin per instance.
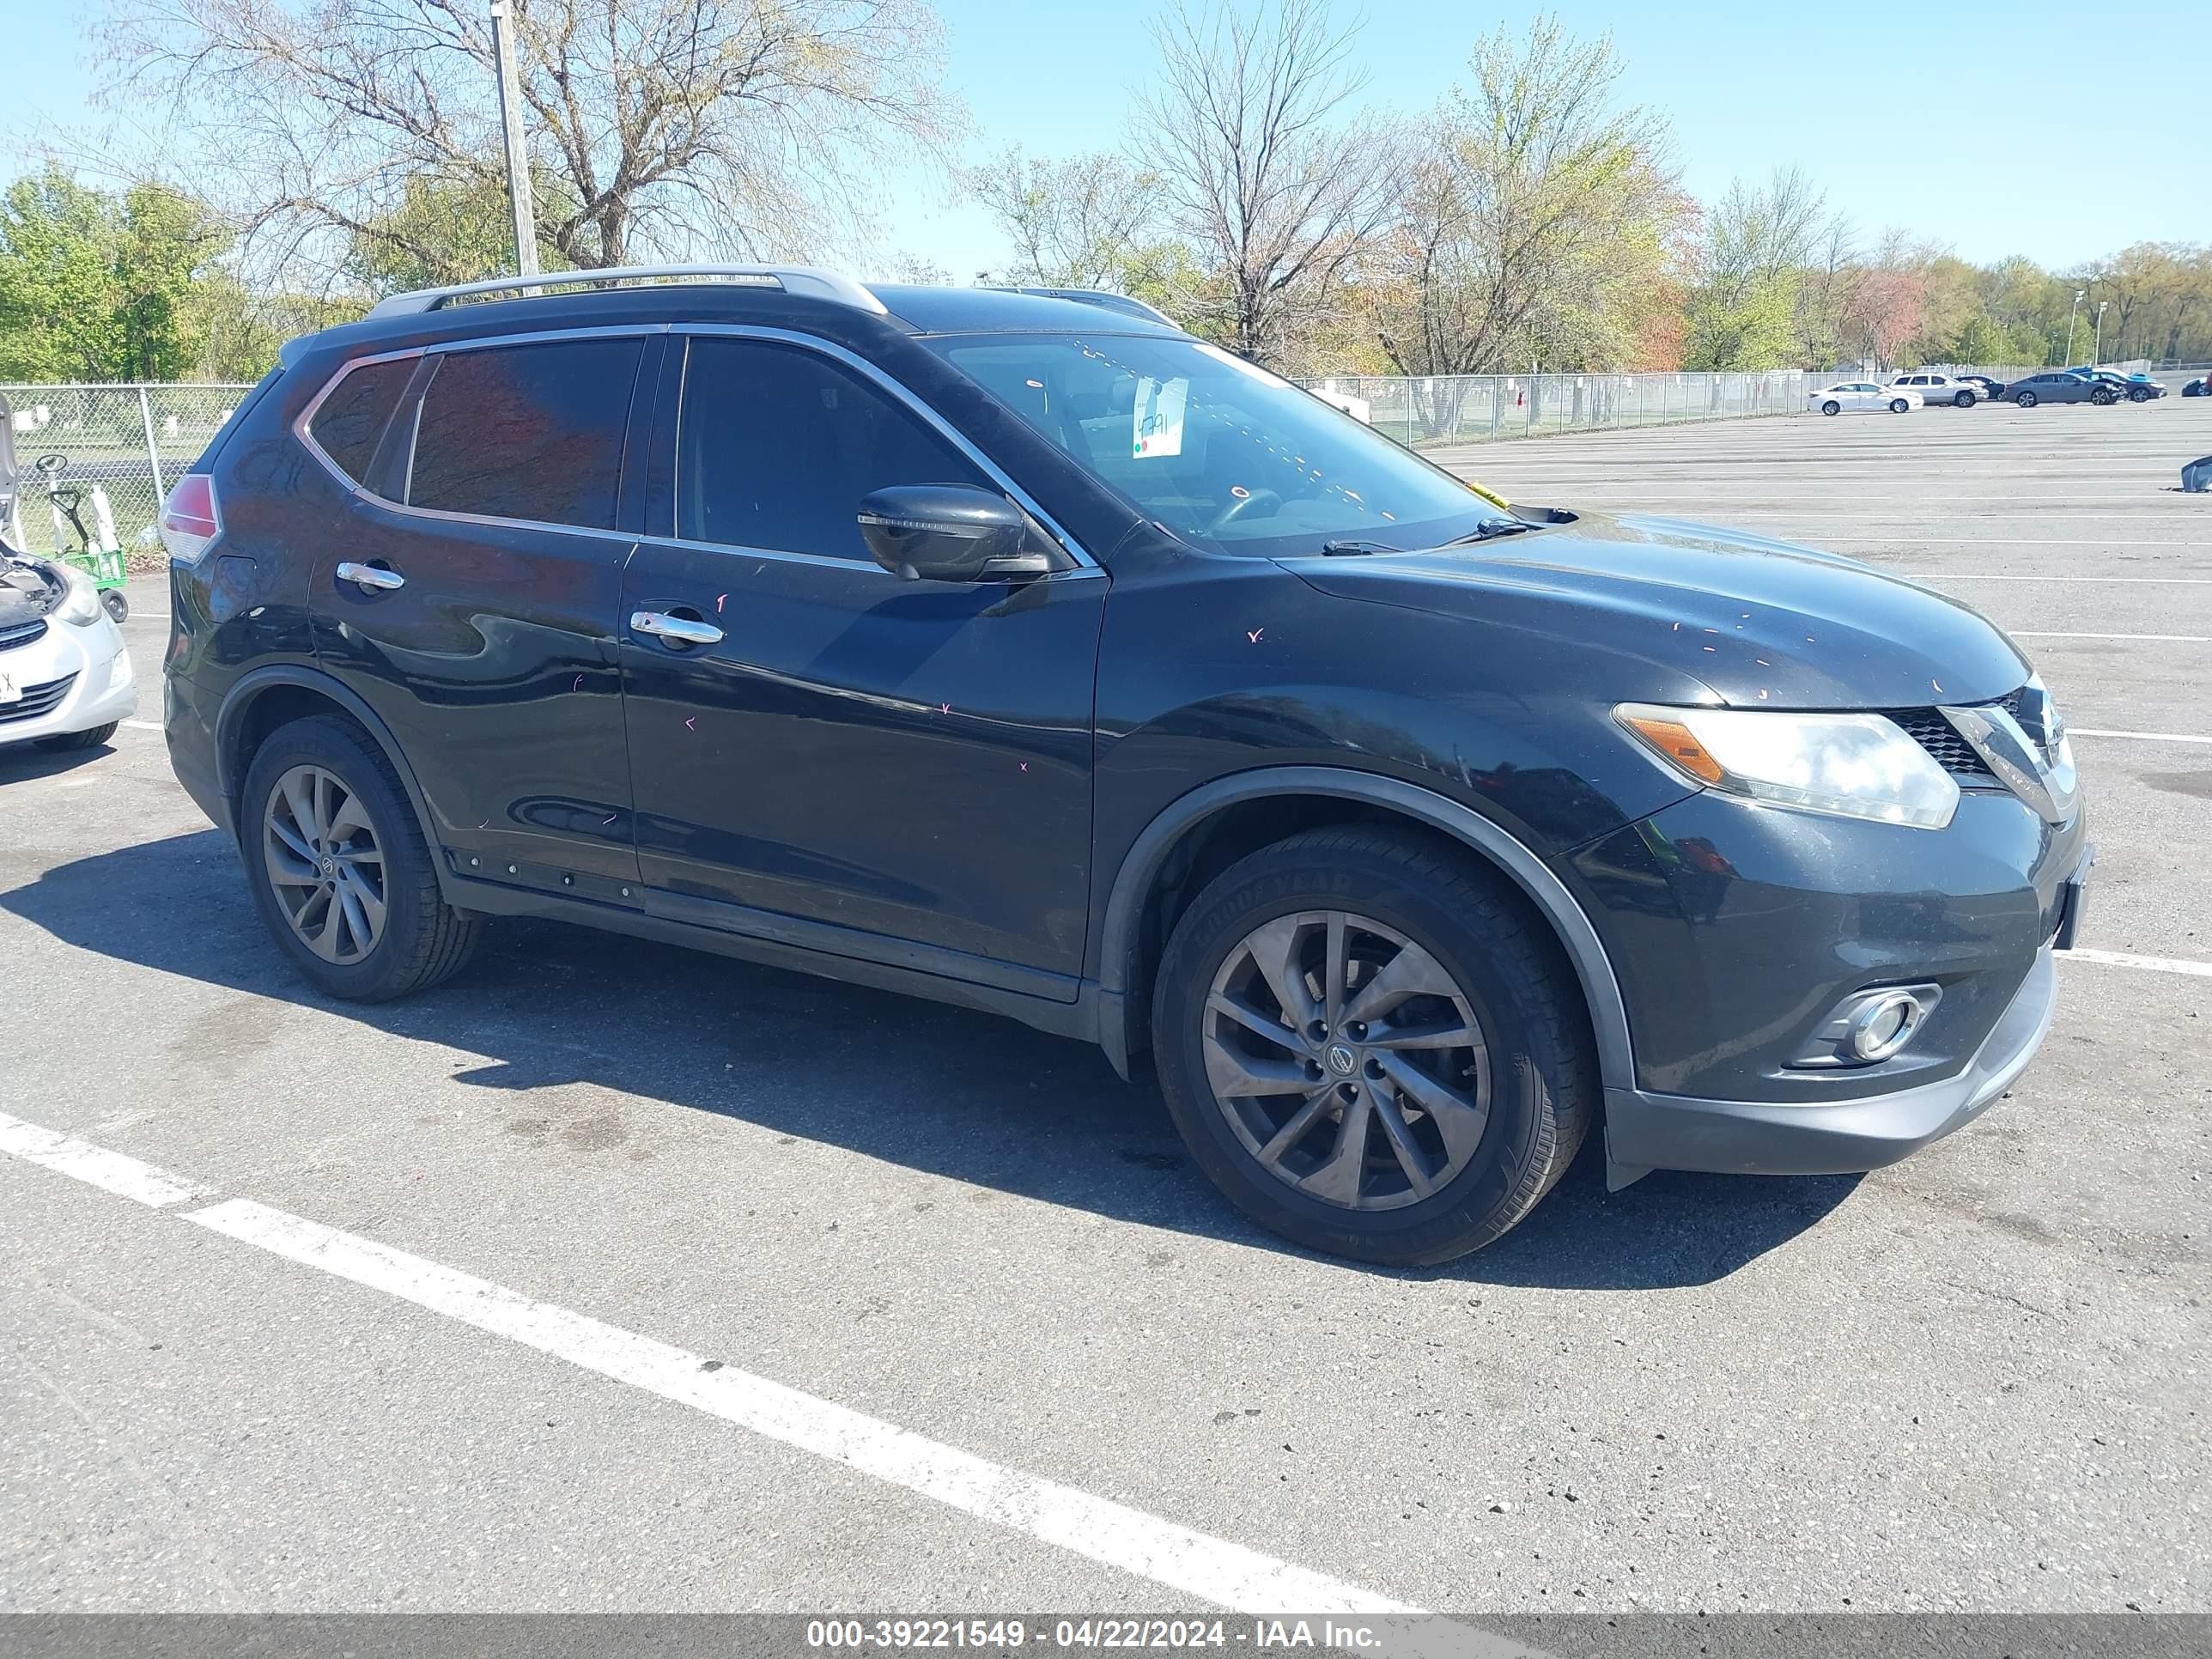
(22, 762)
(933, 1088)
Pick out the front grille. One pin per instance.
(37, 700)
(18, 633)
(1928, 728)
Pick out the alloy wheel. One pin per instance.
(1347, 1061)
(324, 864)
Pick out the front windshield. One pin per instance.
(1222, 454)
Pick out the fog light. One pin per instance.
(1871, 1026)
(1883, 1026)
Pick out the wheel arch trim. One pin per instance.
(1570, 923)
(230, 778)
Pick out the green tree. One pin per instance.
(99, 286)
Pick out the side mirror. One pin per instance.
(950, 534)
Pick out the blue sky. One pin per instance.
(1851, 92)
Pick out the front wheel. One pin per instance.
(2103, 396)
(339, 870)
(2139, 396)
(2025, 399)
(1898, 406)
(1964, 400)
(91, 738)
(1832, 407)
(1370, 1048)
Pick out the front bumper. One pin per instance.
(90, 662)
(1646, 1131)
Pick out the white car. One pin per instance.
(1935, 388)
(1861, 398)
(65, 676)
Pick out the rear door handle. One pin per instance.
(683, 631)
(372, 578)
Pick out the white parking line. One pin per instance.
(126, 1177)
(1095, 1529)
(2129, 959)
(2170, 639)
(142, 726)
(2145, 736)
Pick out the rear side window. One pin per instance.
(353, 417)
(777, 445)
(529, 432)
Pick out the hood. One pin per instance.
(1759, 623)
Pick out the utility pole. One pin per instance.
(517, 153)
(2102, 304)
(2070, 316)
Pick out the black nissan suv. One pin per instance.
(1025, 653)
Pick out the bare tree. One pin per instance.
(1074, 223)
(1275, 194)
(1535, 215)
(664, 126)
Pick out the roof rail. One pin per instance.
(809, 279)
(1090, 296)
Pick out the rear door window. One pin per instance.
(353, 415)
(776, 446)
(531, 432)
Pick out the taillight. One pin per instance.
(189, 521)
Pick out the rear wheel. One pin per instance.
(2103, 395)
(1369, 1048)
(2025, 399)
(1832, 407)
(117, 606)
(339, 869)
(2139, 395)
(1964, 400)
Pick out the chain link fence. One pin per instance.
(1423, 411)
(123, 444)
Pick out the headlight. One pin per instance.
(1856, 766)
(82, 605)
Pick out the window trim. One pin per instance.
(884, 380)
(539, 336)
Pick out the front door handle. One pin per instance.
(683, 631)
(372, 578)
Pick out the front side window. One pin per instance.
(1222, 454)
(777, 443)
(531, 432)
(352, 417)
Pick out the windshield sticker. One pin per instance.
(1157, 418)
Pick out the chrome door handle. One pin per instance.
(682, 629)
(372, 578)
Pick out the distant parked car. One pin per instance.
(2199, 387)
(1992, 390)
(1863, 397)
(1955, 390)
(2137, 388)
(2059, 385)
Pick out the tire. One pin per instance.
(1900, 406)
(117, 606)
(1832, 407)
(420, 940)
(88, 740)
(2138, 396)
(2103, 395)
(1964, 400)
(2025, 399)
(1532, 1092)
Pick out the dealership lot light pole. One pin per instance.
(2070, 316)
(510, 130)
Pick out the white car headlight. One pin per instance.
(82, 606)
(1856, 766)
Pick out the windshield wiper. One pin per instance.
(1353, 548)
(1494, 528)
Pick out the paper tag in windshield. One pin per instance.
(1158, 417)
